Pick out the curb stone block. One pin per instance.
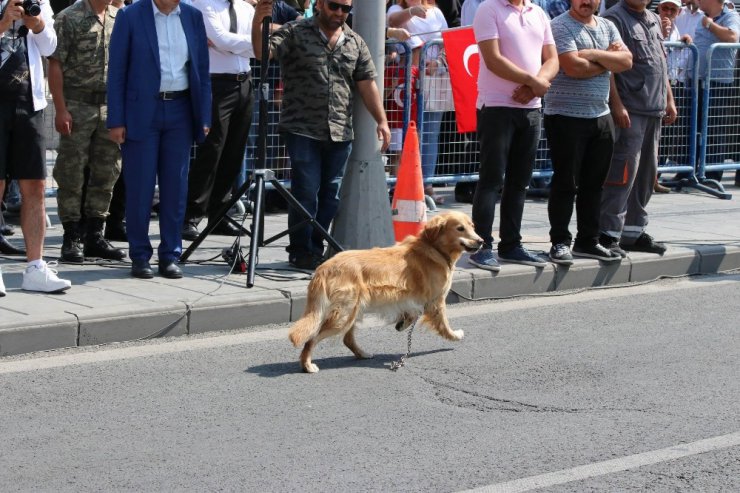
(128, 325)
(591, 273)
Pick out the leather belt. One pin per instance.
(240, 77)
(170, 95)
(89, 97)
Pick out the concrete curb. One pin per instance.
(131, 316)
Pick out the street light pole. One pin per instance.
(364, 216)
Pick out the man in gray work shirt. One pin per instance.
(640, 98)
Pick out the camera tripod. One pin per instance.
(259, 177)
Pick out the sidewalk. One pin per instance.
(106, 305)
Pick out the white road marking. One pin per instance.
(147, 349)
(612, 466)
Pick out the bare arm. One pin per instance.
(504, 68)
(671, 113)
(724, 34)
(262, 10)
(371, 97)
(550, 63)
(398, 19)
(615, 59)
(619, 112)
(62, 117)
(577, 67)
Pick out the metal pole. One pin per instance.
(364, 217)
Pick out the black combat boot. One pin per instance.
(97, 246)
(115, 229)
(71, 244)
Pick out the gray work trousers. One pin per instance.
(629, 182)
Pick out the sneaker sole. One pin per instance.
(597, 257)
(60, 290)
(561, 261)
(525, 262)
(492, 268)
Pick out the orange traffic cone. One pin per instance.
(409, 207)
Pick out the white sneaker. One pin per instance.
(2, 284)
(44, 279)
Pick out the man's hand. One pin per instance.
(686, 39)
(620, 115)
(384, 134)
(539, 85)
(671, 114)
(13, 12)
(398, 33)
(615, 46)
(63, 122)
(262, 10)
(666, 24)
(117, 134)
(523, 94)
(206, 130)
(418, 11)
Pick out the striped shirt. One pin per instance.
(580, 98)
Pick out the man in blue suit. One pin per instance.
(159, 101)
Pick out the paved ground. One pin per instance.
(631, 389)
(107, 305)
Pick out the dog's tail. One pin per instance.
(309, 325)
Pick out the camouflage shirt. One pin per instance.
(82, 46)
(318, 82)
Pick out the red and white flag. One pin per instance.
(463, 63)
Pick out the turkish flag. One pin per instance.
(463, 63)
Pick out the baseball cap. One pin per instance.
(677, 3)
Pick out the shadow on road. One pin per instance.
(380, 361)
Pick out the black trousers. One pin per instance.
(581, 152)
(219, 158)
(508, 144)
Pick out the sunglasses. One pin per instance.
(334, 6)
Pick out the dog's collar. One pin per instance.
(447, 258)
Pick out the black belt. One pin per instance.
(88, 97)
(170, 95)
(240, 77)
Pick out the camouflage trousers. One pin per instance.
(88, 146)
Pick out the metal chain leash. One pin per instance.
(395, 365)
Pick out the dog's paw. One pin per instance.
(364, 355)
(310, 368)
(458, 334)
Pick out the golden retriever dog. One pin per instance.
(401, 283)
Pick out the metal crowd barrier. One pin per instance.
(429, 101)
(720, 114)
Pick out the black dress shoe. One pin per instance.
(190, 231)
(7, 249)
(142, 269)
(170, 270)
(226, 228)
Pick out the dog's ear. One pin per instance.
(433, 229)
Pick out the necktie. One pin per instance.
(232, 17)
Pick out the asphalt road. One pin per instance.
(622, 389)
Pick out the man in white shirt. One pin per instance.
(219, 158)
(689, 17)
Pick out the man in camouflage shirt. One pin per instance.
(77, 80)
(322, 61)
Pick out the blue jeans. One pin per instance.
(317, 168)
(430, 128)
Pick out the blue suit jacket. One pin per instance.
(134, 70)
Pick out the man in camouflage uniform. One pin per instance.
(324, 58)
(77, 80)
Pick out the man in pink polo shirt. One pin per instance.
(518, 61)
